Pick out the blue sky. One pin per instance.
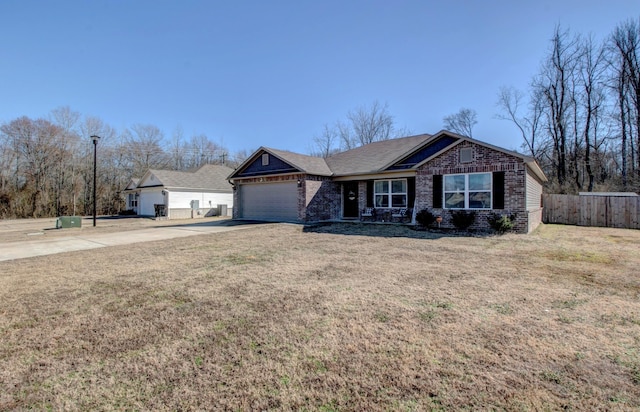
(272, 73)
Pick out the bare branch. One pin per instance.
(461, 122)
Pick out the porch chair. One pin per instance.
(368, 212)
(401, 214)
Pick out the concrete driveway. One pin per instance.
(41, 237)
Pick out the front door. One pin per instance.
(350, 200)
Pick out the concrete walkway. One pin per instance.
(85, 241)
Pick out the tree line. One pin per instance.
(46, 164)
(580, 117)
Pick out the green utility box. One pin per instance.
(64, 222)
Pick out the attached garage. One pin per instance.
(269, 201)
(277, 186)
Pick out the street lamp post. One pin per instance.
(95, 145)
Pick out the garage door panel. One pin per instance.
(270, 201)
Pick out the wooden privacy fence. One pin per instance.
(604, 211)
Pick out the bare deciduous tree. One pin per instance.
(325, 143)
(591, 99)
(510, 100)
(582, 118)
(461, 122)
(178, 149)
(346, 134)
(555, 83)
(203, 150)
(371, 123)
(38, 150)
(626, 45)
(66, 174)
(363, 125)
(144, 148)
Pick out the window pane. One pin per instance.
(399, 201)
(381, 186)
(480, 181)
(454, 200)
(454, 183)
(480, 200)
(399, 186)
(382, 201)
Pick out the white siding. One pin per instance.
(182, 200)
(534, 192)
(147, 200)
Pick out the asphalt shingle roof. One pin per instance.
(369, 158)
(209, 177)
(373, 157)
(309, 164)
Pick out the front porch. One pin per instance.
(386, 215)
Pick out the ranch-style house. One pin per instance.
(390, 181)
(174, 194)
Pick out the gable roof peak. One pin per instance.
(312, 165)
(531, 162)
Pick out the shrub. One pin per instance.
(501, 223)
(462, 219)
(5, 205)
(128, 212)
(425, 218)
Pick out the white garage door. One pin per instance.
(269, 201)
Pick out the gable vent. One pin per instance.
(466, 155)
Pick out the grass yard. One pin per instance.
(282, 317)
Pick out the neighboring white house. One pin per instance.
(181, 195)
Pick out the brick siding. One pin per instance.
(484, 160)
(323, 199)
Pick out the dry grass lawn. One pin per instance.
(282, 317)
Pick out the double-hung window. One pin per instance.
(133, 200)
(390, 193)
(467, 191)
